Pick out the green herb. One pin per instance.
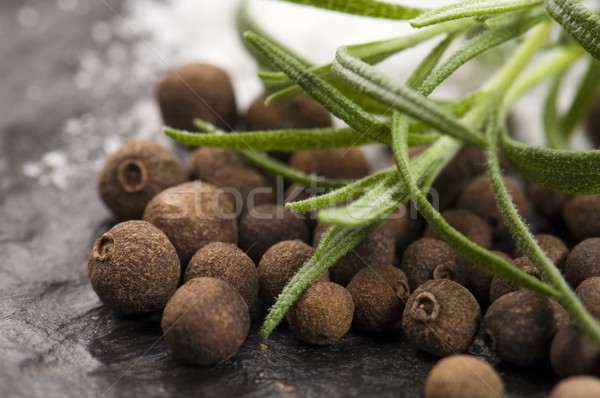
(378, 108)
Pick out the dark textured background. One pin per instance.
(56, 340)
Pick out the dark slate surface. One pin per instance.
(56, 339)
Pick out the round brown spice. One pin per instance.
(478, 280)
(226, 262)
(572, 353)
(133, 268)
(441, 317)
(467, 223)
(463, 376)
(349, 163)
(501, 286)
(582, 216)
(322, 314)
(577, 387)
(206, 321)
(588, 292)
(583, 261)
(135, 173)
(279, 264)
(193, 91)
(554, 248)
(192, 215)
(427, 256)
(299, 112)
(547, 202)
(379, 293)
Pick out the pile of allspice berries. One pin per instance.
(202, 242)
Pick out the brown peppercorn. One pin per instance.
(135, 173)
(547, 202)
(206, 321)
(266, 225)
(225, 261)
(192, 215)
(577, 387)
(322, 314)
(588, 292)
(226, 169)
(441, 317)
(572, 353)
(478, 196)
(583, 261)
(429, 258)
(501, 286)
(376, 248)
(581, 213)
(467, 223)
(279, 264)
(349, 163)
(554, 248)
(463, 376)
(379, 293)
(478, 280)
(519, 327)
(399, 220)
(133, 268)
(193, 91)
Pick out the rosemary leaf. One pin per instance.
(584, 98)
(366, 8)
(554, 136)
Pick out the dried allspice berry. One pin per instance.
(582, 215)
(227, 262)
(554, 248)
(572, 353)
(206, 321)
(583, 261)
(322, 314)
(547, 202)
(577, 387)
(379, 293)
(192, 215)
(429, 258)
(197, 90)
(463, 376)
(519, 327)
(441, 317)
(349, 163)
(501, 286)
(135, 173)
(279, 264)
(266, 225)
(467, 223)
(377, 248)
(479, 280)
(588, 292)
(133, 268)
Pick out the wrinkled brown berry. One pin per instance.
(554, 248)
(193, 91)
(546, 201)
(332, 163)
(577, 387)
(572, 353)
(134, 174)
(582, 215)
(322, 314)
(583, 261)
(225, 261)
(588, 292)
(467, 223)
(206, 321)
(501, 286)
(441, 317)
(133, 268)
(478, 280)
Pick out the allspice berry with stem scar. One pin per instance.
(135, 173)
(463, 376)
(133, 268)
(322, 314)
(206, 321)
(197, 90)
(441, 317)
(583, 261)
(501, 286)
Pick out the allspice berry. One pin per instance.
(463, 376)
(133, 268)
(501, 286)
(519, 327)
(441, 317)
(577, 387)
(547, 202)
(228, 170)
(322, 314)
(479, 280)
(399, 220)
(478, 196)
(279, 264)
(206, 321)
(554, 248)
(192, 215)
(467, 223)
(348, 163)
(429, 258)
(266, 225)
(581, 213)
(583, 261)
(197, 90)
(572, 353)
(377, 248)
(588, 292)
(135, 173)
(379, 293)
(227, 262)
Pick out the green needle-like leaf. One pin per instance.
(366, 8)
(551, 120)
(471, 8)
